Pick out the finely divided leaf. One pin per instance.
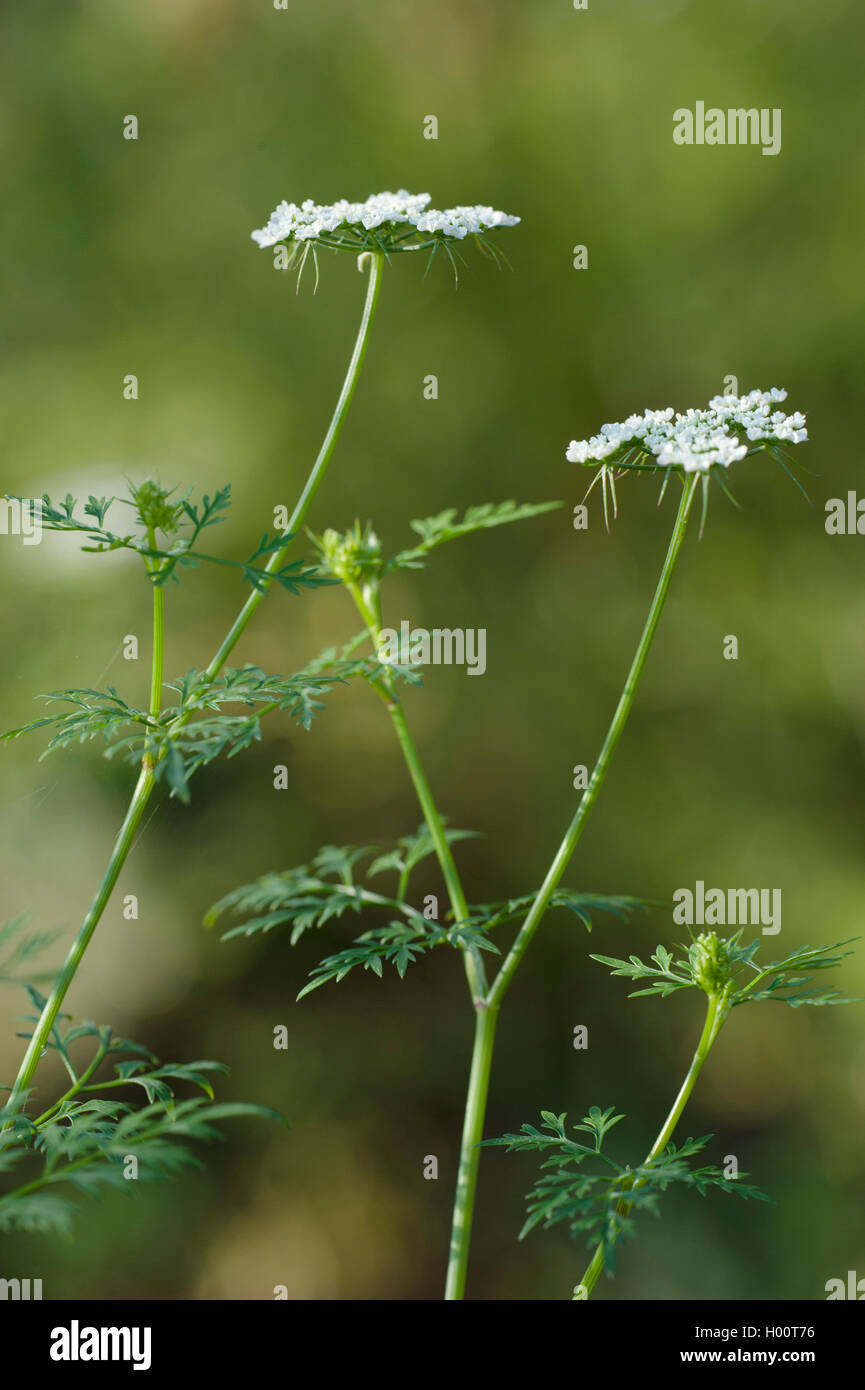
(435, 530)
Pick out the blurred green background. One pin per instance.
(134, 257)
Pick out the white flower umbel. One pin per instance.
(728, 429)
(386, 223)
(698, 441)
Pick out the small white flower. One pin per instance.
(697, 440)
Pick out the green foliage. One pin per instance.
(293, 576)
(184, 521)
(82, 1142)
(412, 849)
(399, 943)
(95, 712)
(586, 1188)
(436, 530)
(17, 949)
(720, 967)
(184, 736)
(354, 556)
(580, 904)
(304, 898)
(313, 894)
(337, 663)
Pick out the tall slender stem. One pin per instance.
(614, 733)
(157, 664)
(474, 966)
(430, 810)
(473, 1129)
(482, 1054)
(318, 468)
(146, 779)
(716, 1013)
(485, 1016)
(122, 845)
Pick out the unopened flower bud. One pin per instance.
(710, 958)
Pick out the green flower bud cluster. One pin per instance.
(353, 557)
(711, 962)
(155, 512)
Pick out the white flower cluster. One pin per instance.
(698, 439)
(312, 220)
(464, 221)
(752, 413)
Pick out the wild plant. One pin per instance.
(82, 1138)
(692, 450)
(94, 1135)
(584, 1186)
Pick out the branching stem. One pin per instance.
(313, 482)
(614, 733)
(146, 779)
(386, 691)
(487, 1001)
(122, 845)
(482, 1054)
(716, 1013)
(485, 1016)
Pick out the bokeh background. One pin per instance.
(134, 257)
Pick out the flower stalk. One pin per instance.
(486, 999)
(375, 264)
(482, 1052)
(614, 733)
(147, 776)
(366, 599)
(717, 1011)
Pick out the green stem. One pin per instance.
(473, 1128)
(430, 810)
(431, 814)
(485, 1016)
(123, 843)
(482, 1054)
(158, 649)
(146, 780)
(485, 1026)
(79, 1084)
(716, 1013)
(157, 665)
(318, 469)
(122, 846)
(614, 733)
